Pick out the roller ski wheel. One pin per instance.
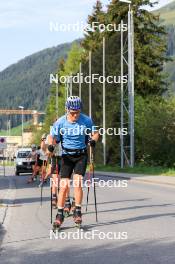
(56, 227)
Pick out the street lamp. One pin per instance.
(125, 1)
(22, 116)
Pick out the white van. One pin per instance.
(22, 162)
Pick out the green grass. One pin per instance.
(15, 131)
(140, 169)
(7, 163)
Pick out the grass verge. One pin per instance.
(140, 169)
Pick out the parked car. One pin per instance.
(22, 162)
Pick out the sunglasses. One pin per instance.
(72, 113)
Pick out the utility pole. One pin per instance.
(104, 105)
(130, 109)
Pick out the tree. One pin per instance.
(150, 46)
(65, 68)
(92, 36)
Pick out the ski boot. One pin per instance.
(58, 221)
(77, 216)
(54, 201)
(67, 208)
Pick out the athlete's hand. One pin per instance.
(92, 142)
(51, 148)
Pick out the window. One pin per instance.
(23, 154)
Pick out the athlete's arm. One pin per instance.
(94, 133)
(53, 138)
(95, 136)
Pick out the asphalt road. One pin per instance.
(140, 217)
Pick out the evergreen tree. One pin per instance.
(92, 36)
(150, 45)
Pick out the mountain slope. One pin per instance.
(167, 13)
(27, 82)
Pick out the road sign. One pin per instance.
(3, 143)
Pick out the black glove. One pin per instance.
(92, 142)
(51, 148)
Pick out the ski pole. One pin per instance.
(51, 194)
(51, 209)
(89, 176)
(95, 197)
(41, 201)
(91, 168)
(58, 177)
(42, 181)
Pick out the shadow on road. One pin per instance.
(131, 208)
(88, 252)
(132, 219)
(2, 234)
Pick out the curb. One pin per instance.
(3, 207)
(5, 213)
(155, 182)
(112, 174)
(135, 177)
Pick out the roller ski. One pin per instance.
(77, 216)
(58, 222)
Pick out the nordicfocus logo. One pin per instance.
(88, 235)
(85, 28)
(89, 183)
(80, 78)
(80, 130)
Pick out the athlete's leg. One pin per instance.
(79, 169)
(43, 170)
(66, 171)
(55, 183)
(49, 172)
(64, 187)
(78, 191)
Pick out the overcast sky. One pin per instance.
(25, 25)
